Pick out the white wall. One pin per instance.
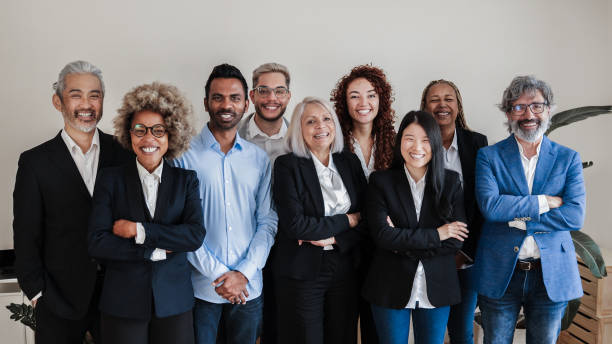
(478, 44)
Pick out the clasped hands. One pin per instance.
(457, 230)
(353, 219)
(232, 286)
(126, 229)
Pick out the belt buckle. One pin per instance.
(526, 266)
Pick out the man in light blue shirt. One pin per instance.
(235, 190)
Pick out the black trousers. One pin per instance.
(323, 310)
(176, 329)
(269, 333)
(53, 329)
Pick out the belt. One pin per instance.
(527, 265)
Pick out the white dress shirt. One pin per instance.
(368, 168)
(150, 184)
(530, 249)
(335, 196)
(419, 284)
(273, 145)
(451, 158)
(86, 163)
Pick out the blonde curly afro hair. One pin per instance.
(165, 100)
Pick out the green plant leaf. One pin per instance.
(590, 254)
(564, 118)
(570, 313)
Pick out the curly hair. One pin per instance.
(165, 100)
(382, 128)
(460, 120)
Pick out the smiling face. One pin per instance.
(149, 149)
(81, 102)
(270, 108)
(528, 126)
(441, 102)
(318, 128)
(225, 103)
(362, 101)
(415, 149)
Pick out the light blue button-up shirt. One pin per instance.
(238, 216)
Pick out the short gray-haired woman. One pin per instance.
(318, 191)
(146, 216)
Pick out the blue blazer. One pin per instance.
(132, 281)
(503, 195)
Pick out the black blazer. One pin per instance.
(132, 280)
(51, 207)
(301, 213)
(469, 143)
(399, 250)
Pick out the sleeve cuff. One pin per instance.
(247, 268)
(543, 204)
(37, 296)
(158, 254)
(140, 234)
(518, 224)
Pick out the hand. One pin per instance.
(232, 286)
(390, 222)
(168, 251)
(323, 242)
(554, 201)
(124, 228)
(34, 302)
(353, 219)
(457, 230)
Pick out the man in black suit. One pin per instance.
(51, 207)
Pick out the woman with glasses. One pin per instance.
(362, 99)
(146, 216)
(318, 191)
(416, 220)
(441, 98)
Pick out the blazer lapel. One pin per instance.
(405, 196)
(344, 169)
(62, 159)
(546, 161)
(134, 193)
(106, 142)
(466, 154)
(511, 157)
(163, 193)
(312, 184)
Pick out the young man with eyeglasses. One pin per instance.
(266, 127)
(531, 193)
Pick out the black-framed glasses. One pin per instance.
(265, 91)
(535, 108)
(140, 130)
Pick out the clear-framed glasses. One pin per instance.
(140, 130)
(535, 108)
(265, 91)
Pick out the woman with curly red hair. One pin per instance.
(362, 100)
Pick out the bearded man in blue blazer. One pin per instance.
(531, 193)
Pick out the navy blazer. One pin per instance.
(301, 214)
(132, 280)
(503, 196)
(399, 249)
(51, 207)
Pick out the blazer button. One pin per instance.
(516, 249)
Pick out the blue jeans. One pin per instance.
(461, 318)
(242, 323)
(542, 315)
(393, 325)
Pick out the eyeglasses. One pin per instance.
(265, 91)
(140, 130)
(535, 108)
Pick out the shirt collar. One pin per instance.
(522, 152)
(143, 173)
(209, 141)
(72, 145)
(320, 168)
(454, 143)
(253, 130)
(411, 181)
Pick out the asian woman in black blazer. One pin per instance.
(442, 99)
(146, 216)
(417, 222)
(318, 191)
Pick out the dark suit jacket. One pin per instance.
(399, 249)
(469, 143)
(51, 207)
(301, 213)
(132, 279)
